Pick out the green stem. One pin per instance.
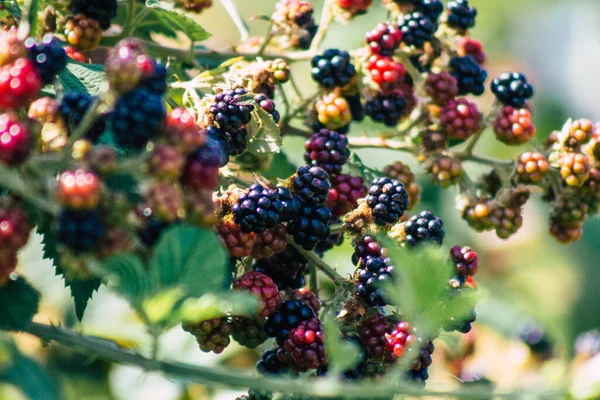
(129, 24)
(285, 100)
(336, 228)
(16, 184)
(314, 283)
(410, 68)
(267, 40)
(295, 88)
(293, 131)
(316, 261)
(366, 142)
(88, 120)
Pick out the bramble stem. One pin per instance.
(88, 120)
(326, 18)
(315, 260)
(336, 228)
(267, 40)
(366, 142)
(129, 24)
(15, 183)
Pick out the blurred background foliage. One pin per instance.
(530, 277)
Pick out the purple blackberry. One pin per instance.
(512, 89)
(229, 115)
(388, 200)
(384, 39)
(372, 270)
(268, 105)
(48, 56)
(417, 29)
(157, 81)
(102, 11)
(432, 9)
(470, 76)
(387, 108)
(291, 204)
(258, 210)
(460, 15)
(311, 185)
(137, 118)
(287, 269)
(234, 143)
(328, 150)
(73, 107)
(201, 170)
(424, 227)
(269, 364)
(288, 317)
(213, 134)
(310, 226)
(333, 69)
(80, 230)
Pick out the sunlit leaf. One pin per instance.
(342, 355)
(212, 306)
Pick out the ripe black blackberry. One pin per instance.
(356, 109)
(512, 89)
(432, 9)
(268, 105)
(269, 364)
(387, 108)
(234, 142)
(291, 204)
(152, 231)
(157, 81)
(288, 317)
(310, 226)
(102, 11)
(311, 185)
(333, 68)
(48, 56)
(137, 118)
(73, 107)
(417, 29)
(287, 269)
(373, 269)
(461, 16)
(328, 150)
(470, 76)
(331, 241)
(388, 200)
(258, 210)
(80, 230)
(229, 115)
(424, 227)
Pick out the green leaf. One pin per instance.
(170, 16)
(159, 308)
(129, 275)
(12, 6)
(18, 304)
(217, 305)
(265, 137)
(32, 13)
(154, 24)
(281, 167)
(89, 78)
(356, 164)
(190, 257)
(342, 355)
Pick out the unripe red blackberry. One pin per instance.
(248, 332)
(287, 269)
(77, 55)
(181, 131)
(102, 159)
(401, 172)
(197, 6)
(305, 345)
(19, 83)
(82, 32)
(386, 73)
(465, 260)
(478, 215)
(165, 200)
(574, 168)
(472, 48)
(387, 108)
(506, 221)
(264, 288)
(165, 163)
(460, 119)
(344, 194)
(445, 170)
(399, 339)
(270, 242)
(238, 243)
(79, 190)
(8, 264)
(201, 169)
(514, 126)
(14, 228)
(15, 140)
(373, 334)
(333, 111)
(201, 209)
(306, 297)
(328, 150)
(531, 168)
(441, 87)
(384, 39)
(11, 47)
(212, 335)
(355, 6)
(44, 110)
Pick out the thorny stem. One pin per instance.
(315, 260)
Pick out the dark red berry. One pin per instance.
(14, 228)
(344, 194)
(262, 286)
(328, 150)
(441, 87)
(305, 345)
(15, 140)
(384, 39)
(373, 332)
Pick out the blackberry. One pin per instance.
(20, 83)
(102, 11)
(307, 297)
(460, 15)
(258, 210)
(387, 108)
(465, 260)
(417, 29)
(305, 344)
(49, 57)
(359, 370)
(402, 172)
(512, 89)
(419, 371)
(574, 168)
(291, 204)
(310, 226)
(333, 68)
(472, 48)
(399, 340)
(270, 242)
(17, 141)
(248, 332)
(373, 334)
(432, 9)
(156, 82)
(73, 107)
(287, 318)
(165, 201)
(372, 270)
(445, 170)
(424, 227)
(262, 286)
(151, 233)
(82, 32)
(14, 228)
(8, 264)
(238, 243)
(287, 269)
(232, 143)
(79, 189)
(80, 230)
(211, 335)
(514, 126)
(165, 163)
(388, 200)
(460, 119)
(180, 130)
(344, 194)
(201, 169)
(531, 168)
(137, 118)
(328, 150)
(441, 87)
(386, 72)
(269, 364)
(311, 185)
(229, 115)
(332, 112)
(12, 47)
(332, 241)
(470, 76)
(268, 105)
(384, 39)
